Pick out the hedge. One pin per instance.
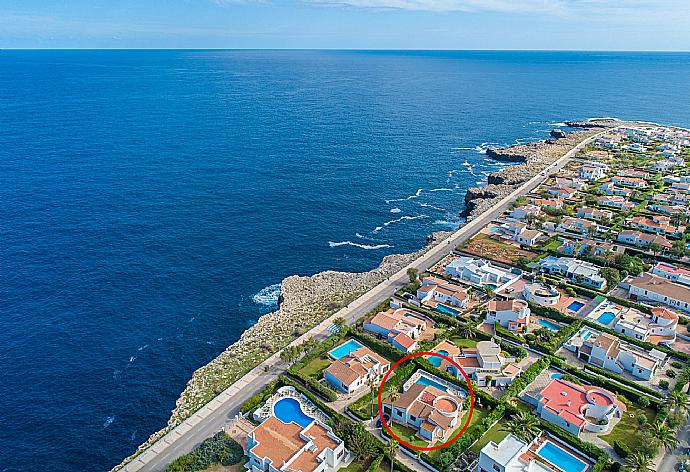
(374, 466)
(382, 348)
(218, 449)
(260, 398)
(623, 380)
(621, 449)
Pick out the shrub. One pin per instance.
(677, 365)
(218, 449)
(642, 419)
(375, 464)
(663, 384)
(621, 449)
(671, 373)
(643, 402)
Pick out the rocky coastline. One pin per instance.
(307, 300)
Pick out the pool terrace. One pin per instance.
(425, 378)
(288, 405)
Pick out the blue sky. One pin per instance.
(359, 24)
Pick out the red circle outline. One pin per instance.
(451, 440)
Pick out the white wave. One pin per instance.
(461, 149)
(410, 197)
(441, 190)
(596, 118)
(395, 210)
(361, 246)
(360, 235)
(448, 224)
(132, 359)
(108, 421)
(143, 347)
(268, 296)
(433, 207)
(560, 123)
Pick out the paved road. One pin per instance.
(219, 412)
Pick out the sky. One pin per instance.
(348, 24)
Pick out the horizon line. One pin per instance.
(340, 49)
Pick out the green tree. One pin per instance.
(392, 450)
(679, 402)
(413, 274)
(639, 462)
(523, 425)
(662, 436)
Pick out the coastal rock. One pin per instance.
(558, 133)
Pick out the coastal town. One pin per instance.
(568, 313)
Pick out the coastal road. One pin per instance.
(220, 411)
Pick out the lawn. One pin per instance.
(316, 366)
(495, 434)
(462, 342)
(628, 430)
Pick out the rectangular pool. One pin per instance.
(427, 381)
(606, 318)
(549, 325)
(344, 349)
(562, 458)
(447, 310)
(575, 306)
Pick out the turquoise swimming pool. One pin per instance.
(289, 410)
(549, 325)
(344, 349)
(556, 376)
(575, 306)
(435, 360)
(561, 458)
(606, 317)
(427, 381)
(447, 310)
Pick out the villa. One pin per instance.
(545, 453)
(592, 172)
(584, 247)
(608, 352)
(290, 440)
(659, 326)
(433, 412)
(598, 155)
(573, 269)
(575, 183)
(638, 238)
(594, 213)
(541, 294)
(484, 364)
(669, 210)
(633, 173)
(521, 212)
(576, 408)
(401, 327)
(676, 274)
(656, 224)
(561, 191)
(633, 182)
(513, 315)
(549, 203)
(580, 226)
(615, 201)
(651, 288)
(479, 272)
(356, 370)
(435, 290)
(609, 188)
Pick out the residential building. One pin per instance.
(513, 315)
(435, 290)
(606, 351)
(573, 269)
(640, 174)
(577, 184)
(521, 212)
(609, 188)
(479, 272)
(529, 237)
(594, 213)
(401, 327)
(577, 408)
(356, 370)
(677, 274)
(545, 453)
(592, 172)
(434, 413)
(638, 238)
(656, 224)
(274, 446)
(651, 288)
(561, 191)
(553, 203)
(615, 202)
(670, 210)
(632, 182)
(579, 226)
(541, 294)
(485, 363)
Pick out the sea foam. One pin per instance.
(361, 246)
(268, 296)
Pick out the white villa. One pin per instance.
(484, 364)
(576, 408)
(545, 453)
(511, 314)
(541, 294)
(479, 272)
(401, 327)
(657, 327)
(356, 370)
(679, 275)
(435, 290)
(573, 269)
(608, 352)
(651, 288)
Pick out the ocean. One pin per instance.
(150, 201)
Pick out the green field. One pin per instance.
(628, 430)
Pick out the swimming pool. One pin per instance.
(586, 335)
(447, 310)
(606, 317)
(561, 458)
(427, 381)
(548, 324)
(575, 306)
(435, 360)
(345, 349)
(288, 410)
(556, 376)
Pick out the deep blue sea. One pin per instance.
(149, 198)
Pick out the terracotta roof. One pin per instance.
(404, 340)
(662, 286)
(277, 441)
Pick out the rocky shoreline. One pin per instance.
(307, 300)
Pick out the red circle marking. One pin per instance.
(451, 440)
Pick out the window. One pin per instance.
(496, 468)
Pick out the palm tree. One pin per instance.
(679, 402)
(662, 436)
(339, 322)
(639, 462)
(465, 331)
(523, 425)
(392, 450)
(374, 399)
